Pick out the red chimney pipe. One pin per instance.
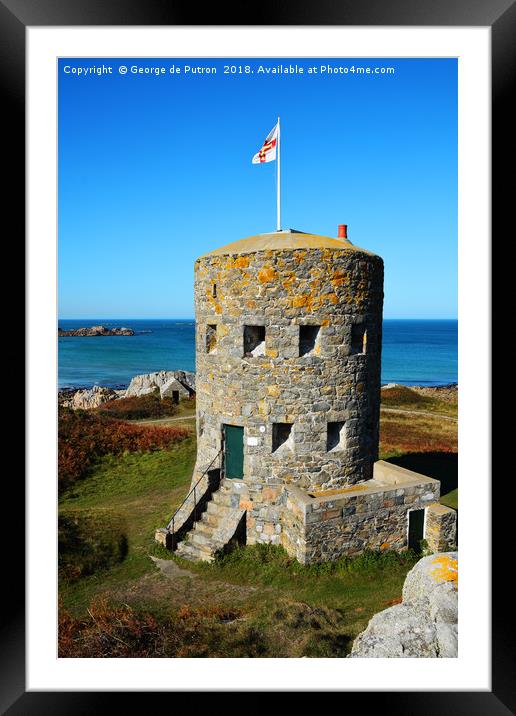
(343, 231)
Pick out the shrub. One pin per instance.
(139, 407)
(109, 631)
(85, 436)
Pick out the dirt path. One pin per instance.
(171, 569)
(155, 421)
(384, 410)
(175, 586)
(180, 586)
(418, 412)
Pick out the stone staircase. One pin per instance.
(217, 528)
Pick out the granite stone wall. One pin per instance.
(304, 378)
(441, 528)
(325, 528)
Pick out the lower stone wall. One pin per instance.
(317, 527)
(373, 516)
(441, 528)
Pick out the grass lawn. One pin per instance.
(254, 602)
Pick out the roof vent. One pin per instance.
(343, 231)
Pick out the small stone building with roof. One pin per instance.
(288, 359)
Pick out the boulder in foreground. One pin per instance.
(425, 623)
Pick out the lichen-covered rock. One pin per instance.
(89, 398)
(148, 382)
(425, 623)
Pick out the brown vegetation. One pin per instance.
(85, 436)
(139, 407)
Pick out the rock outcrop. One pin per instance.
(166, 381)
(96, 331)
(425, 623)
(87, 398)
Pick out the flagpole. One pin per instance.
(278, 182)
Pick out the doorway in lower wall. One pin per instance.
(416, 529)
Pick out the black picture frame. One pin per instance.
(500, 16)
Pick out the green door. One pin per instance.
(234, 451)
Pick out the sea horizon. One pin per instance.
(419, 351)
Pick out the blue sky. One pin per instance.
(156, 170)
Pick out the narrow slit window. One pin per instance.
(336, 436)
(358, 338)
(211, 338)
(254, 341)
(214, 290)
(308, 339)
(282, 436)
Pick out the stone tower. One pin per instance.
(288, 351)
(288, 344)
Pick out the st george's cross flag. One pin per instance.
(268, 151)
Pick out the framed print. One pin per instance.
(268, 271)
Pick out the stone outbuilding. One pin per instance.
(288, 359)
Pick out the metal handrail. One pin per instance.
(171, 523)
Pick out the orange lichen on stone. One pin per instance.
(339, 279)
(267, 274)
(238, 262)
(384, 546)
(302, 300)
(263, 407)
(218, 308)
(246, 504)
(289, 281)
(273, 390)
(447, 569)
(330, 297)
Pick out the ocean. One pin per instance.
(414, 352)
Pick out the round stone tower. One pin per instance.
(288, 344)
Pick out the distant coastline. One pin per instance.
(93, 331)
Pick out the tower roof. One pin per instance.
(286, 240)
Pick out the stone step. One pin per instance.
(209, 518)
(186, 550)
(214, 527)
(215, 508)
(203, 542)
(205, 528)
(225, 498)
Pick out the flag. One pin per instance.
(268, 151)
